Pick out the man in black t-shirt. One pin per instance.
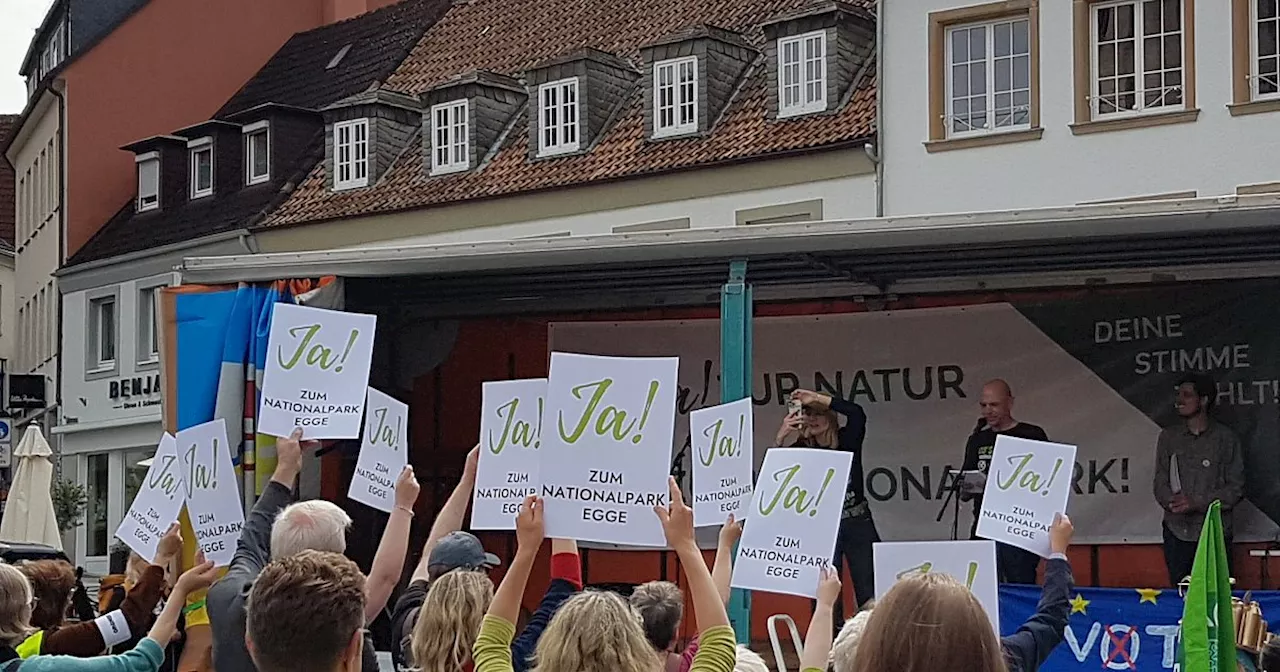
(1013, 564)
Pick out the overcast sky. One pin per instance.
(18, 22)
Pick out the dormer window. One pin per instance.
(351, 154)
(558, 116)
(257, 153)
(675, 97)
(802, 76)
(148, 181)
(201, 160)
(449, 147)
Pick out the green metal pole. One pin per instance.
(735, 384)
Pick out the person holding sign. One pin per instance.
(1013, 564)
(51, 582)
(812, 421)
(146, 657)
(1198, 461)
(598, 630)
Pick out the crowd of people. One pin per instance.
(292, 602)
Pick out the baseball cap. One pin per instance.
(460, 550)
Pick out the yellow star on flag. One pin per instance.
(1079, 604)
(1148, 595)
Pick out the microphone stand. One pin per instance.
(952, 500)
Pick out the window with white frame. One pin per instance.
(1265, 77)
(201, 152)
(558, 117)
(989, 80)
(148, 181)
(1137, 56)
(257, 153)
(802, 74)
(351, 154)
(675, 96)
(102, 332)
(450, 146)
(148, 328)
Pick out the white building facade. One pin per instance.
(1023, 104)
(35, 154)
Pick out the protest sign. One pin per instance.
(384, 452)
(212, 489)
(794, 517)
(606, 454)
(317, 370)
(721, 437)
(157, 504)
(510, 443)
(972, 563)
(1028, 482)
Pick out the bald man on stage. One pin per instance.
(1013, 564)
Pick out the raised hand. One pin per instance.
(730, 532)
(407, 489)
(677, 518)
(530, 530)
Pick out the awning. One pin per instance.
(865, 256)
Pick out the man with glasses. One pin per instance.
(1198, 461)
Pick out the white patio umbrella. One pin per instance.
(28, 515)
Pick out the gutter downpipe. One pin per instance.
(877, 153)
(62, 257)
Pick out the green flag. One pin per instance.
(1208, 641)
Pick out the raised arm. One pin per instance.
(388, 563)
(1035, 639)
(451, 514)
(722, 570)
(492, 650)
(817, 641)
(566, 579)
(716, 647)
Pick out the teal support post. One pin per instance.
(735, 383)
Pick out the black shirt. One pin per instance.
(849, 439)
(982, 444)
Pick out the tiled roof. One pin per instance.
(512, 36)
(299, 73)
(131, 232)
(8, 123)
(296, 76)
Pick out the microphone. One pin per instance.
(982, 424)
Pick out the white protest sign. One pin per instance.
(606, 451)
(113, 627)
(1028, 482)
(157, 504)
(972, 563)
(510, 443)
(212, 489)
(384, 452)
(793, 520)
(317, 370)
(722, 438)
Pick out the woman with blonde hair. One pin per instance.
(598, 631)
(813, 421)
(15, 611)
(455, 605)
(925, 621)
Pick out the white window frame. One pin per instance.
(97, 337)
(989, 62)
(148, 194)
(804, 80)
(1139, 73)
(1255, 54)
(263, 129)
(684, 97)
(351, 154)
(452, 137)
(148, 346)
(553, 117)
(195, 148)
